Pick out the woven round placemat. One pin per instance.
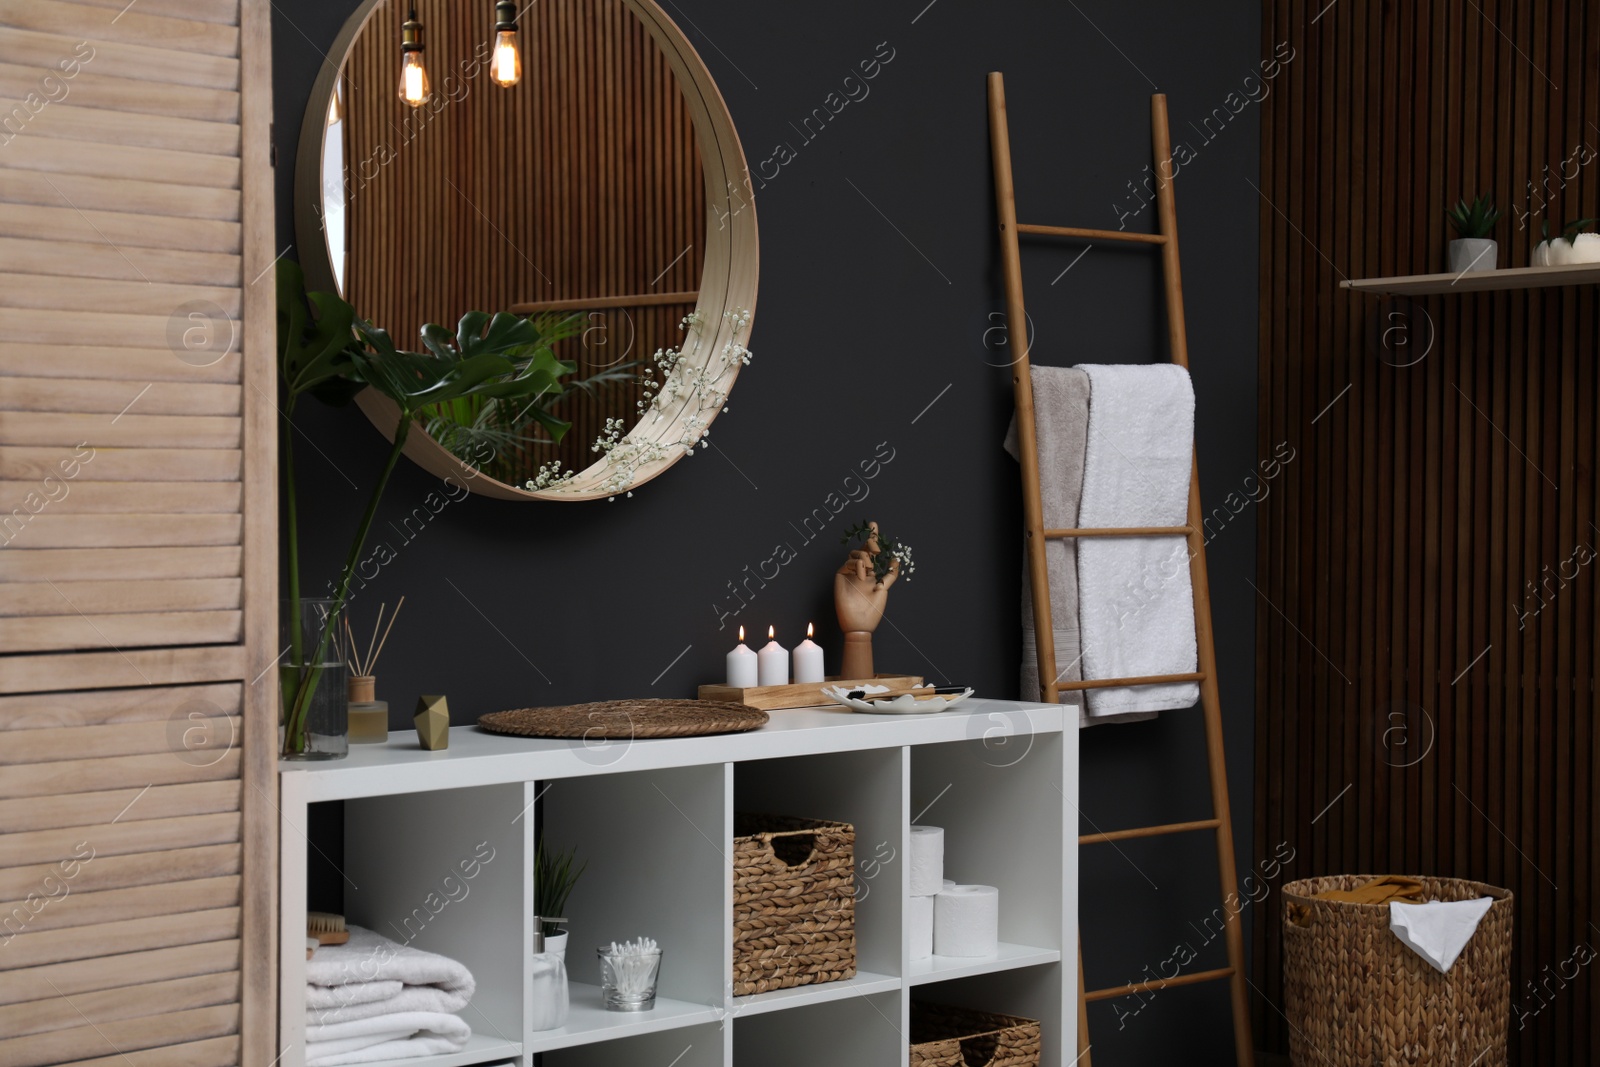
(622, 720)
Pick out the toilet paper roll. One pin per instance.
(921, 911)
(966, 921)
(927, 860)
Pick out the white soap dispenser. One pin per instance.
(551, 1002)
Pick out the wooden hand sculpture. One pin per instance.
(859, 598)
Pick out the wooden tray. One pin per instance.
(802, 694)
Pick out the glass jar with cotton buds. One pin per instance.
(628, 974)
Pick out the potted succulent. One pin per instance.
(1571, 246)
(1473, 248)
(553, 878)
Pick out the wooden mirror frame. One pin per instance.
(727, 285)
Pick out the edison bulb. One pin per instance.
(414, 88)
(505, 66)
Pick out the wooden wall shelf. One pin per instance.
(1482, 281)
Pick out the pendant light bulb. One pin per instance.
(505, 65)
(414, 87)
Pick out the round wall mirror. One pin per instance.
(569, 161)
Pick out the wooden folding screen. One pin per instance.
(137, 534)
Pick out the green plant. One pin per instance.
(325, 350)
(1569, 232)
(475, 426)
(553, 879)
(883, 550)
(1476, 220)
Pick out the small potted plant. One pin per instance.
(554, 875)
(1473, 248)
(1571, 246)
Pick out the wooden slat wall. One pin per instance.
(583, 181)
(1423, 708)
(137, 534)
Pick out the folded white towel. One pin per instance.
(407, 999)
(1135, 599)
(1439, 930)
(401, 1035)
(323, 997)
(368, 957)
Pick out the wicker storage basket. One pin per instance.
(1357, 996)
(794, 902)
(943, 1036)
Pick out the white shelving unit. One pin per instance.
(438, 851)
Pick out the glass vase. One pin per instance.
(313, 718)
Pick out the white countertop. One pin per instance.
(477, 757)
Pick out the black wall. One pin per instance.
(880, 296)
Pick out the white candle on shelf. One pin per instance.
(741, 665)
(808, 659)
(773, 661)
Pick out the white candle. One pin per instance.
(741, 665)
(773, 661)
(808, 659)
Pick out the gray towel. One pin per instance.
(1061, 427)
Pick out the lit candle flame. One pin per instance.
(772, 633)
(741, 635)
(808, 631)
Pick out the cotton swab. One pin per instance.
(633, 966)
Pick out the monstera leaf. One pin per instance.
(469, 365)
(315, 331)
(494, 363)
(496, 413)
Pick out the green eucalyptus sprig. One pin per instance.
(1476, 220)
(882, 549)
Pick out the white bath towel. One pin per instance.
(375, 999)
(1135, 598)
(407, 998)
(369, 957)
(324, 997)
(404, 1035)
(1061, 427)
(1439, 930)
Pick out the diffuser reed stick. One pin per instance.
(363, 666)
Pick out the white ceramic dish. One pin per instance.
(906, 704)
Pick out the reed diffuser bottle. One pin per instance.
(369, 716)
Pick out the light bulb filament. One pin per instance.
(505, 66)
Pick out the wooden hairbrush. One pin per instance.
(326, 927)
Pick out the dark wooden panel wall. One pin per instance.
(582, 181)
(1427, 631)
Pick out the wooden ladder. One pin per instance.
(1039, 578)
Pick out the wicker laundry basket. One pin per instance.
(794, 902)
(1356, 995)
(943, 1036)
